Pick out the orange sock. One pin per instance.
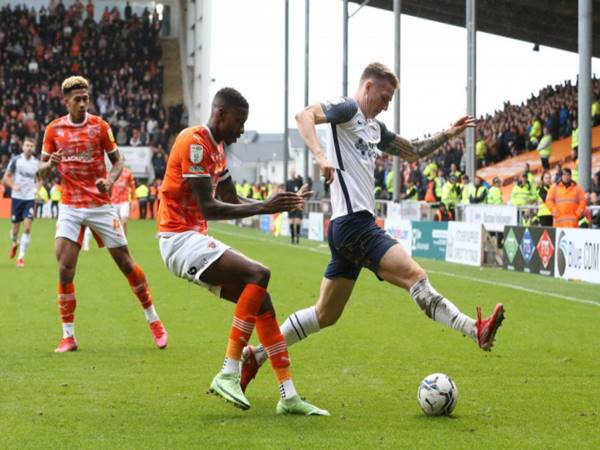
(272, 340)
(67, 304)
(244, 319)
(139, 286)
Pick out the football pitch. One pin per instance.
(538, 388)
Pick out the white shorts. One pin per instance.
(122, 210)
(103, 221)
(188, 254)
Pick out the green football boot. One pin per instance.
(296, 405)
(228, 387)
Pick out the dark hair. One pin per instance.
(29, 138)
(567, 170)
(230, 97)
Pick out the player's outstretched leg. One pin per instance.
(275, 347)
(398, 268)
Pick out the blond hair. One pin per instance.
(379, 71)
(74, 82)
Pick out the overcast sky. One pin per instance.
(248, 54)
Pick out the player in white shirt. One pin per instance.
(355, 240)
(20, 177)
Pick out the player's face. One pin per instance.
(77, 103)
(379, 96)
(233, 124)
(28, 148)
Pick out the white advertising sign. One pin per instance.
(493, 217)
(401, 230)
(406, 210)
(315, 226)
(138, 159)
(577, 254)
(465, 243)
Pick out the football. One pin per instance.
(437, 395)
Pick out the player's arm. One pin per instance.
(116, 159)
(306, 120)
(50, 157)
(411, 151)
(7, 179)
(132, 188)
(213, 209)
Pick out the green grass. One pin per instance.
(537, 389)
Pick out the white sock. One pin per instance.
(440, 309)
(150, 313)
(25, 239)
(231, 365)
(68, 329)
(299, 325)
(287, 390)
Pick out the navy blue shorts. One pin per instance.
(356, 241)
(21, 210)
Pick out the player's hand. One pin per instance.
(327, 170)
(304, 192)
(460, 125)
(283, 201)
(55, 158)
(103, 185)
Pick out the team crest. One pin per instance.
(93, 132)
(196, 153)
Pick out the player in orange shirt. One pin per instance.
(196, 174)
(76, 144)
(123, 192)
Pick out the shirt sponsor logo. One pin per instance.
(196, 153)
(197, 169)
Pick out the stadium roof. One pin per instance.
(551, 23)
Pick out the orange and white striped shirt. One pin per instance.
(123, 187)
(195, 153)
(83, 146)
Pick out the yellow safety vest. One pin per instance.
(141, 191)
(55, 193)
(575, 138)
(494, 196)
(521, 195)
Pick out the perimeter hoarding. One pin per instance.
(529, 249)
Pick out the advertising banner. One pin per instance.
(265, 223)
(529, 249)
(577, 254)
(429, 239)
(493, 217)
(402, 231)
(405, 210)
(315, 226)
(465, 243)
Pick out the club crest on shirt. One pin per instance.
(196, 153)
(92, 132)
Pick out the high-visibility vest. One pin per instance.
(521, 195)
(55, 193)
(545, 146)
(429, 193)
(412, 193)
(480, 149)
(439, 186)
(566, 203)
(42, 194)
(389, 181)
(450, 195)
(430, 170)
(575, 138)
(494, 196)
(575, 173)
(477, 191)
(141, 192)
(543, 209)
(467, 189)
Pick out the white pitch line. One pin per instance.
(437, 272)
